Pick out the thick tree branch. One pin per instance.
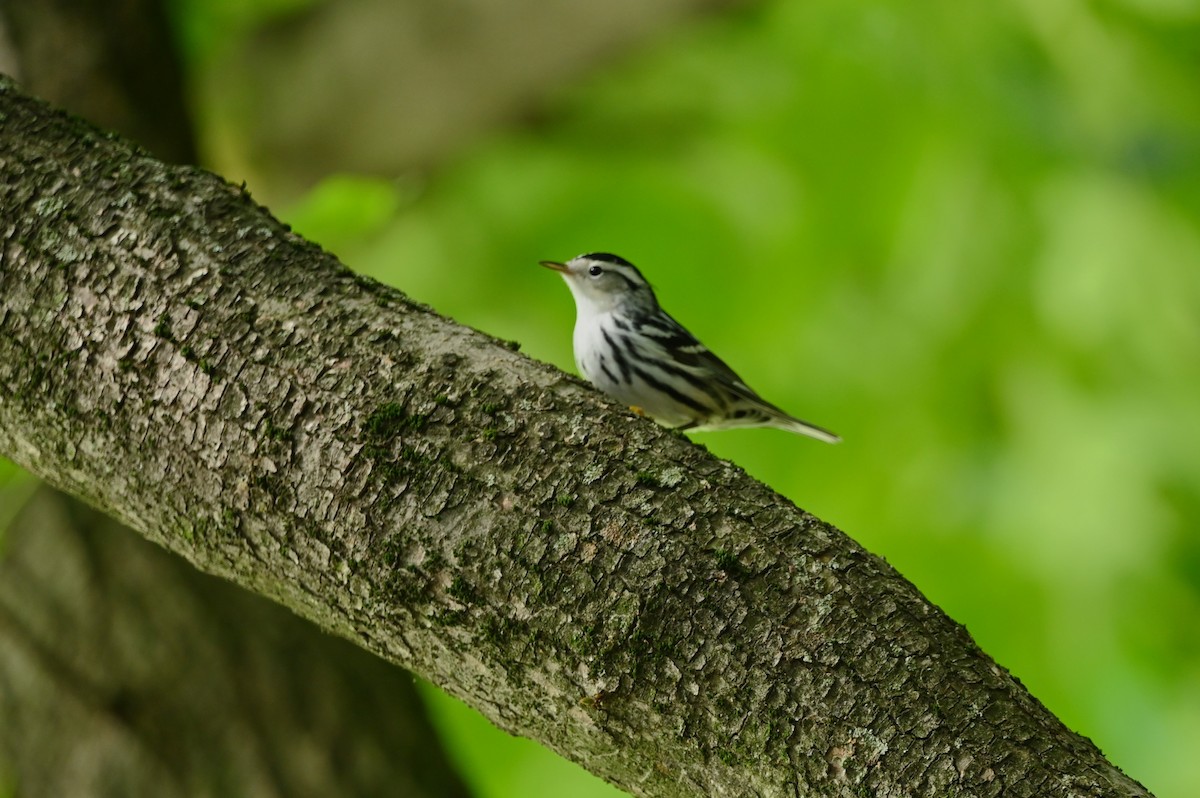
(178, 683)
(172, 354)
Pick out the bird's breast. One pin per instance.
(588, 343)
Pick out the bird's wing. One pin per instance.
(680, 348)
(684, 349)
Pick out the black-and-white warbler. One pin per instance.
(630, 348)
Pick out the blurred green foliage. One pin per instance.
(16, 486)
(205, 28)
(966, 237)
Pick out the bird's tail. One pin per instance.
(793, 424)
(805, 429)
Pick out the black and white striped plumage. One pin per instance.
(630, 348)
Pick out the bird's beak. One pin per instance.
(553, 264)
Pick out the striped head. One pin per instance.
(602, 282)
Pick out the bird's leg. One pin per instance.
(637, 411)
(685, 427)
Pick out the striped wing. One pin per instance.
(682, 356)
(734, 403)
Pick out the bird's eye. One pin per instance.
(595, 271)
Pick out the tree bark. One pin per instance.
(172, 354)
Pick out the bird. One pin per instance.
(627, 346)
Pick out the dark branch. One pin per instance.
(151, 678)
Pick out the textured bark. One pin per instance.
(173, 355)
(125, 672)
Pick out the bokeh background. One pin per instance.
(964, 236)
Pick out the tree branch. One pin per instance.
(178, 683)
(172, 354)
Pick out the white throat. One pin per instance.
(589, 301)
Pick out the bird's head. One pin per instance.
(601, 282)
